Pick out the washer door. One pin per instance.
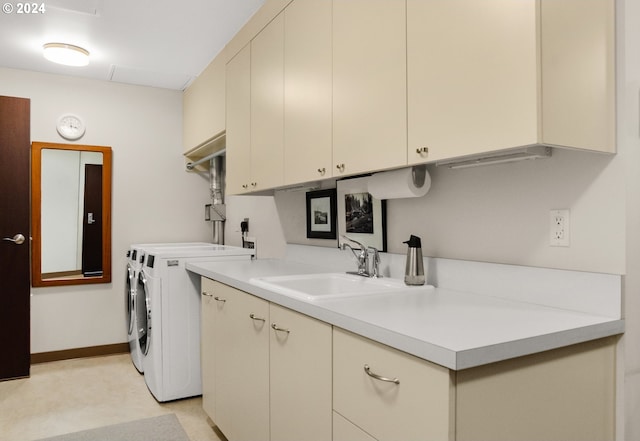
(129, 296)
(143, 313)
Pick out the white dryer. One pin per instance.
(169, 326)
(135, 260)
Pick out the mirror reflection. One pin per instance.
(71, 201)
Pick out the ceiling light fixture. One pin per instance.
(66, 54)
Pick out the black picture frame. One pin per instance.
(369, 225)
(321, 214)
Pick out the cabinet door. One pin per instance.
(369, 85)
(578, 73)
(420, 406)
(207, 346)
(472, 77)
(300, 370)
(267, 106)
(203, 114)
(238, 155)
(242, 365)
(345, 430)
(307, 91)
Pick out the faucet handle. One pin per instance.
(362, 247)
(375, 265)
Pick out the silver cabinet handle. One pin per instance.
(219, 299)
(276, 328)
(204, 293)
(245, 186)
(340, 167)
(252, 316)
(322, 171)
(423, 151)
(367, 369)
(18, 239)
(254, 184)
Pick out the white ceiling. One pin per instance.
(157, 43)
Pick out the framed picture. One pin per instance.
(361, 217)
(321, 214)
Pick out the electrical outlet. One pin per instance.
(250, 242)
(559, 228)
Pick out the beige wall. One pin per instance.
(154, 199)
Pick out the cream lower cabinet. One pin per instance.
(241, 372)
(273, 374)
(400, 398)
(300, 377)
(207, 346)
(266, 370)
(566, 394)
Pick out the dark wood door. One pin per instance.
(14, 220)
(92, 223)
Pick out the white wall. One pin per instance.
(154, 199)
(500, 213)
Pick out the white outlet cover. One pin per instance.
(559, 228)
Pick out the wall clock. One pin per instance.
(70, 127)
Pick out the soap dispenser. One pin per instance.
(414, 268)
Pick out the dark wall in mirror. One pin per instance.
(70, 214)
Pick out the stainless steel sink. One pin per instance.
(327, 286)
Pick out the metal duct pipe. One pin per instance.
(218, 209)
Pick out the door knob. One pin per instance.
(18, 239)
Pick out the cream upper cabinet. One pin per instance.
(578, 73)
(267, 106)
(238, 155)
(307, 91)
(369, 85)
(241, 371)
(472, 77)
(300, 377)
(203, 113)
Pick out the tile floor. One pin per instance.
(72, 395)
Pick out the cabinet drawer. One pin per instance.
(418, 407)
(345, 430)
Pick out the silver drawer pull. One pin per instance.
(367, 369)
(252, 316)
(219, 299)
(204, 293)
(276, 328)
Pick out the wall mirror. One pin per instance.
(70, 214)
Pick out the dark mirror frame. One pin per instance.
(36, 215)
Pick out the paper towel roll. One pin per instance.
(409, 182)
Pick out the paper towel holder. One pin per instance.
(419, 174)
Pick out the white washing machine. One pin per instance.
(135, 260)
(170, 325)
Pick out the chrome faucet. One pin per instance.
(362, 256)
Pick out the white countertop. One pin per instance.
(452, 328)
